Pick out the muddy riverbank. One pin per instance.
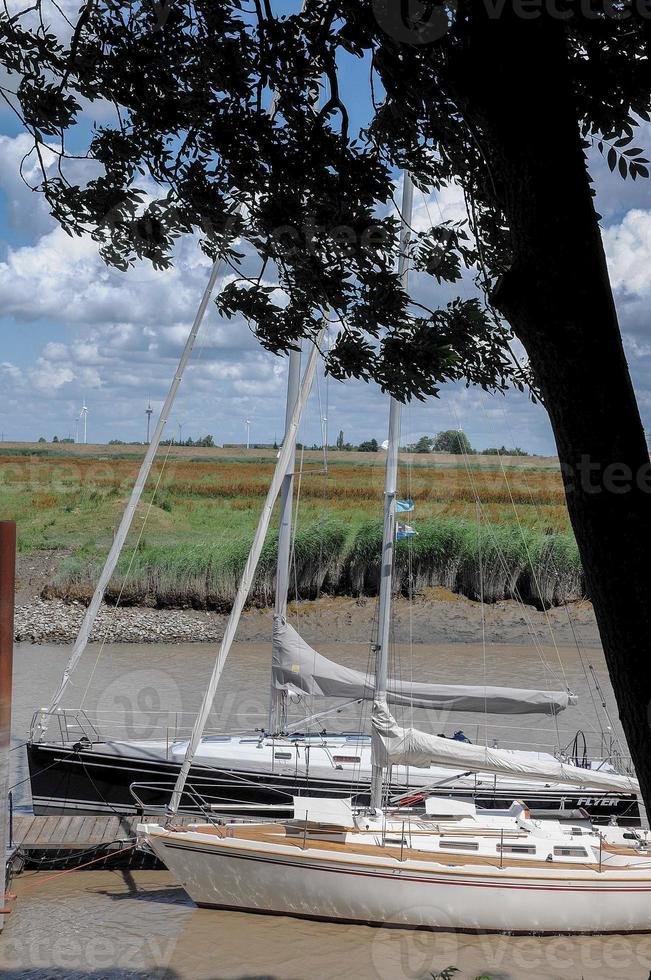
(436, 616)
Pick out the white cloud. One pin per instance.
(628, 250)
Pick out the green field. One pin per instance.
(481, 525)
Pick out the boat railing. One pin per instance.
(67, 726)
(152, 797)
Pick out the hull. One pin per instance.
(248, 877)
(65, 780)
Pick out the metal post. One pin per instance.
(7, 600)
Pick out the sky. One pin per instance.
(74, 330)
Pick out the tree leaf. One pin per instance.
(612, 158)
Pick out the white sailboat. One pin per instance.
(446, 865)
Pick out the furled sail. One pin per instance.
(299, 669)
(393, 745)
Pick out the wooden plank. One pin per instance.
(95, 830)
(56, 832)
(22, 827)
(76, 831)
(46, 827)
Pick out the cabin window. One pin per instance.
(346, 758)
(570, 852)
(516, 848)
(465, 845)
(283, 755)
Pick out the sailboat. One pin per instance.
(444, 865)
(77, 765)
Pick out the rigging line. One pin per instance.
(126, 576)
(588, 721)
(533, 570)
(537, 646)
(203, 340)
(247, 575)
(136, 493)
(572, 628)
(565, 604)
(91, 612)
(505, 568)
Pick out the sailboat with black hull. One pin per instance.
(76, 765)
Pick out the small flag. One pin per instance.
(404, 506)
(405, 531)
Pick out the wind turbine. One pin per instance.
(247, 423)
(83, 415)
(148, 412)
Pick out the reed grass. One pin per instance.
(190, 540)
(496, 562)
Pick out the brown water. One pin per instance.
(114, 924)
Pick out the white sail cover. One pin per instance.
(393, 745)
(298, 669)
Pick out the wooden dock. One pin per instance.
(58, 842)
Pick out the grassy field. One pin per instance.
(500, 525)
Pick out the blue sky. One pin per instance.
(72, 329)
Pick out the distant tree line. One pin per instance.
(206, 442)
(456, 441)
(453, 441)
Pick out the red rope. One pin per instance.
(86, 864)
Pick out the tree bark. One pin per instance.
(514, 83)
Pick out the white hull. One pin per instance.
(252, 876)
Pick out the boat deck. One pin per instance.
(271, 834)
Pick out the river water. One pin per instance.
(121, 924)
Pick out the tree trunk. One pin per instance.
(515, 87)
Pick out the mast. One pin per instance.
(390, 487)
(246, 580)
(278, 698)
